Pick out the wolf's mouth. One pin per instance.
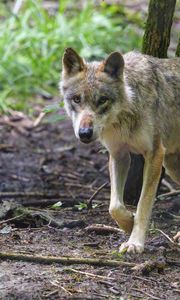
(86, 141)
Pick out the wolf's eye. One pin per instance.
(76, 99)
(102, 100)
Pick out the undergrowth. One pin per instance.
(33, 40)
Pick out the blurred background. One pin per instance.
(33, 35)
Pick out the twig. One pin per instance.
(169, 239)
(136, 296)
(39, 119)
(144, 279)
(108, 283)
(64, 260)
(172, 193)
(101, 228)
(57, 283)
(65, 290)
(175, 217)
(11, 219)
(88, 274)
(51, 293)
(147, 294)
(89, 204)
(168, 185)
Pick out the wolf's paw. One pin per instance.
(130, 247)
(126, 224)
(124, 218)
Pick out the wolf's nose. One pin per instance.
(85, 134)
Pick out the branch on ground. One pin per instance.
(64, 260)
(103, 229)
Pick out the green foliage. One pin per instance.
(32, 43)
(81, 206)
(57, 205)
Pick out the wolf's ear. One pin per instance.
(114, 65)
(72, 62)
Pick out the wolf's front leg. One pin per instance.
(118, 167)
(151, 176)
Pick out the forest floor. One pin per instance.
(41, 165)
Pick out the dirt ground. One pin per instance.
(42, 165)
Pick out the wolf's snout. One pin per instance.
(85, 134)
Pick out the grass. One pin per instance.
(32, 43)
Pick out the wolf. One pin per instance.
(131, 104)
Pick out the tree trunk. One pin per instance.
(158, 27)
(155, 42)
(178, 49)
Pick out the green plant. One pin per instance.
(32, 43)
(57, 205)
(81, 206)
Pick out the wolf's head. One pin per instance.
(93, 92)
